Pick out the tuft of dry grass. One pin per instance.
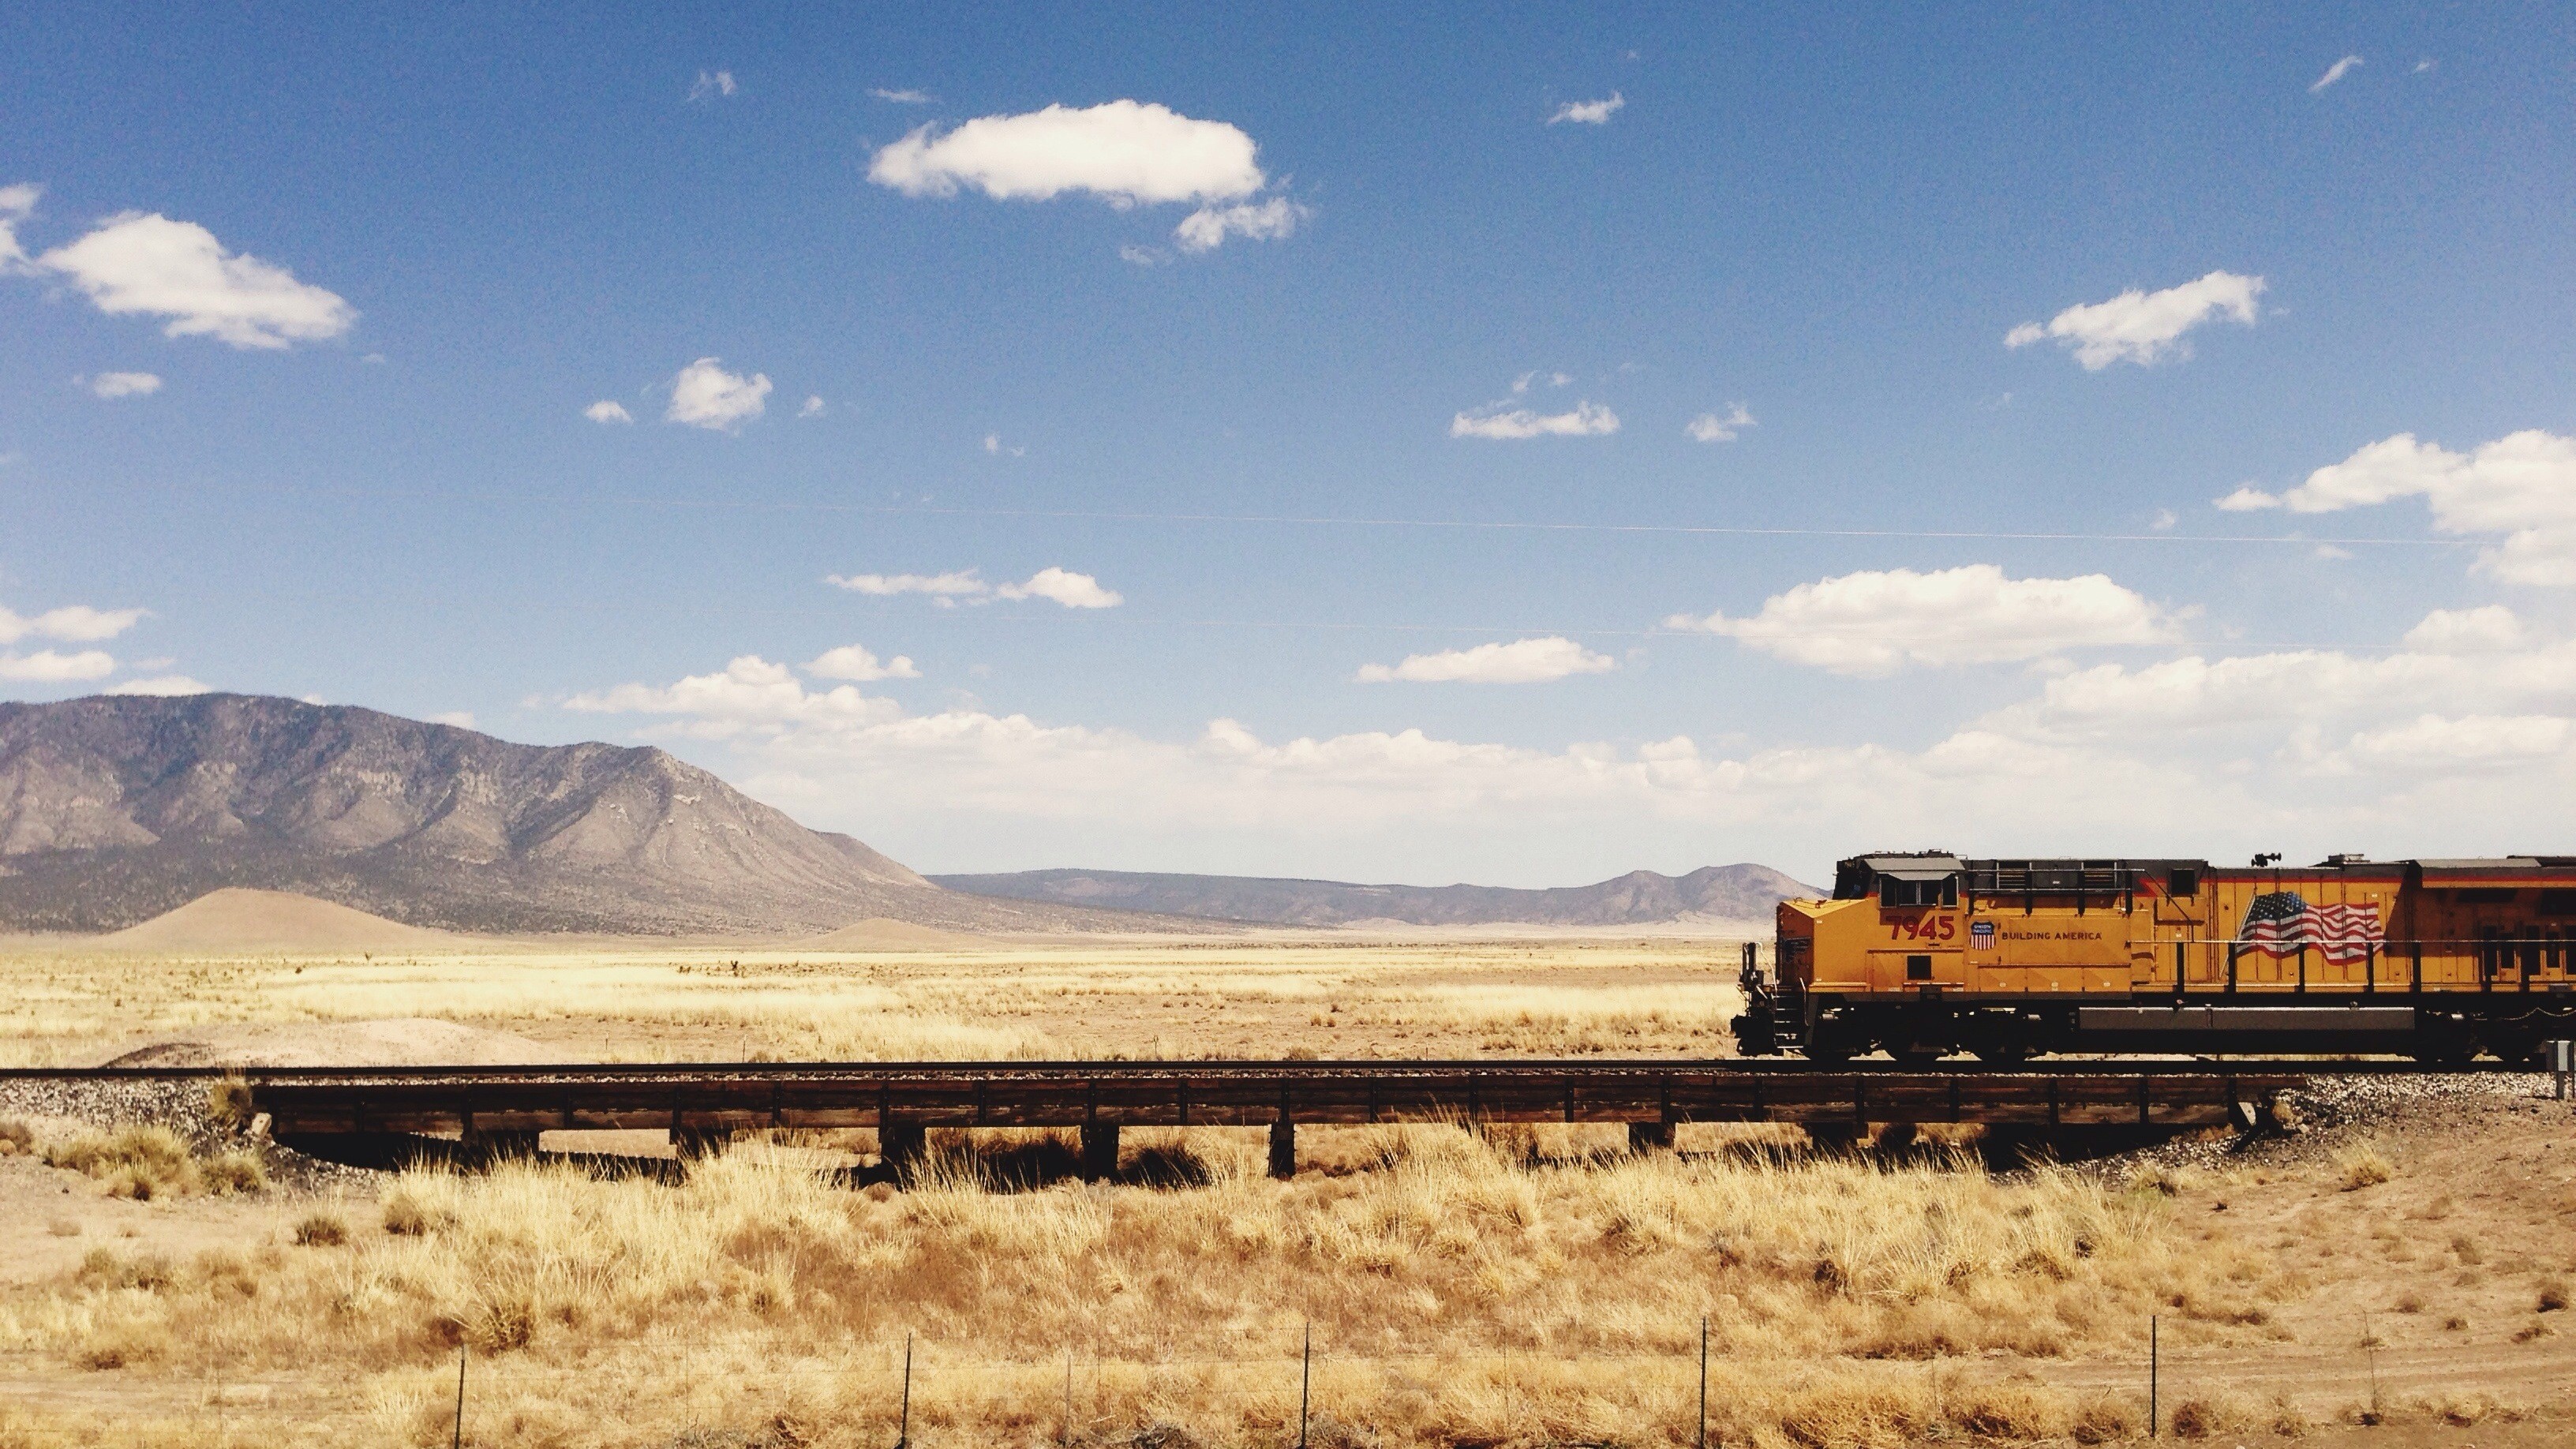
(137, 1162)
(16, 1138)
(228, 1101)
(2361, 1164)
(322, 1230)
(231, 1172)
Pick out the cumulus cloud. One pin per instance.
(605, 411)
(854, 663)
(74, 623)
(461, 718)
(1074, 591)
(1503, 422)
(1203, 229)
(711, 84)
(2522, 486)
(748, 694)
(2437, 742)
(1523, 661)
(2490, 629)
(167, 685)
(1588, 113)
(2144, 327)
(1123, 151)
(813, 408)
(1874, 623)
(1710, 428)
(122, 384)
(2335, 72)
(704, 395)
(962, 585)
(139, 263)
(47, 666)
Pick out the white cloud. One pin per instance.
(2434, 742)
(167, 685)
(1588, 113)
(711, 84)
(901, 98)
(1074, 591)
(149, 264)
(17, 203)
(461, 718)
(2143, 327)
(704, 395)
(1496, 421)
(2335, 72)
(45, 666)
(74, 623)
(853, 662)
(2487, 630)
(1524, 661)
(1710, 428)
(813, 408)
(749, 694)
(946, 586)
(2522, 486)
(1203, 229)
(1873, 623)
(1142, 256)
(605, 411)
(993, 444)
(123, 384)
(1123, 151)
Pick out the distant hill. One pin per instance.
(114, 810)
(1642, 897)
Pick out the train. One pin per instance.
(1925, 955)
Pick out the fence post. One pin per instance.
(903, 1426)
(1305, 1382)
(1703, 1381)
(456, 1440)
(2562, 1058)
(2151, 1376)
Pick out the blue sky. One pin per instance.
(371, 477)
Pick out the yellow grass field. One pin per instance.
(1519, 1286)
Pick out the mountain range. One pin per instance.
(116, 809)
(1727, 893)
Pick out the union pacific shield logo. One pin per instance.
(1981, 935)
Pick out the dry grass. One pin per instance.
(144, 1163)
(2361, 1164)
(1460, 1288)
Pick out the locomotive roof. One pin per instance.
(1934, 864)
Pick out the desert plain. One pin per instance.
(2396, 1273)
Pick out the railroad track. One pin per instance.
(354, 1112)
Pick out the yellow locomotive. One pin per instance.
(1923, 955)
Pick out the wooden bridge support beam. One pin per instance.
(1099, 1151)
(1650, 1137)
(1283, 1147)
(901, 1145)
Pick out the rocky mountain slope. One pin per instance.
(115, 809)
(1717, 892)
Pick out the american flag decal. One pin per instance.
(2281, 924)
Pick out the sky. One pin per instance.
(1375, 443)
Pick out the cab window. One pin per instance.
(1907, 894)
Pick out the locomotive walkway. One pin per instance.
(355, 1112)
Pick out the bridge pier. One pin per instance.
(1283, 1147)
(1644, 1137)
(1099, 1151)
(901, 1146)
